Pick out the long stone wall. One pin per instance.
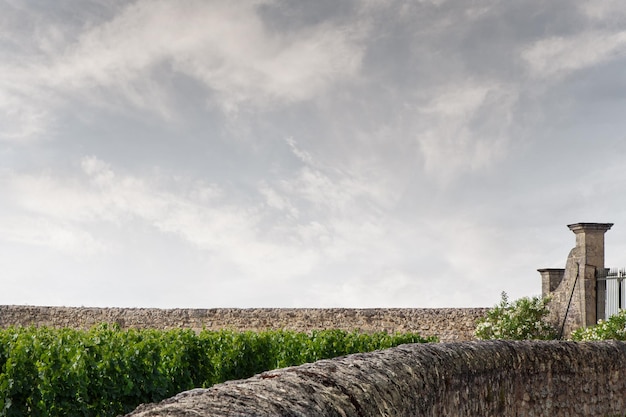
(449, 324)
(495, 378)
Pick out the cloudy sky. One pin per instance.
(423, 153)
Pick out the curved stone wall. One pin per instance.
(449, 324)
(495, 378)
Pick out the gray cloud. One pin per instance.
(283, 153)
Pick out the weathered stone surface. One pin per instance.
(449, 324)
(495, 378)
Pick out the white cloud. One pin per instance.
(342, 214)
(21, 119)
(457, 101)
(275, 200)
(314, 232)
(559, 56)
(42, 231)
(464, 128)
(304, 156)
(333, 191)
(194, 212)
(259, 68)
(365, 292)
(602, 11)
(223, 45)
(61, 199)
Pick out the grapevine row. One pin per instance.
(107, 371)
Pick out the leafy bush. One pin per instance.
(612, 329)
(106, 371)
(522, 319)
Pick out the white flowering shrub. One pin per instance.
(522, 319)
(612, 329)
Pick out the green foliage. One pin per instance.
(106, 371)
(522, 319)
(612, 329)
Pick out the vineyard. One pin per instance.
(107, 371)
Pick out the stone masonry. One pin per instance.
(494, 378)
(449, 324)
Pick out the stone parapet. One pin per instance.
(490, 378)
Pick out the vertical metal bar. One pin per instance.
(622, 290)
(612, 297)
(600, 299)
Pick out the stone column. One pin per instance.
(590, 251)
(550, 279)
(590, 238)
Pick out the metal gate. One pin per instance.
(611, 290)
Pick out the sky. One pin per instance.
(354, 153)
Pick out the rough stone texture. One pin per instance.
(495, 378)
(449, 324)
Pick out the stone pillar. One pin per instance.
(574, 302)
(550, 279)
(590, 251)
(590, 238)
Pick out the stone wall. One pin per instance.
(495, 378)
(449, 324)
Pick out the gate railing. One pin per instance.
(614, 290)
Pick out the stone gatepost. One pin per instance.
(550, 279)
(590, 238)
(573, 289)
